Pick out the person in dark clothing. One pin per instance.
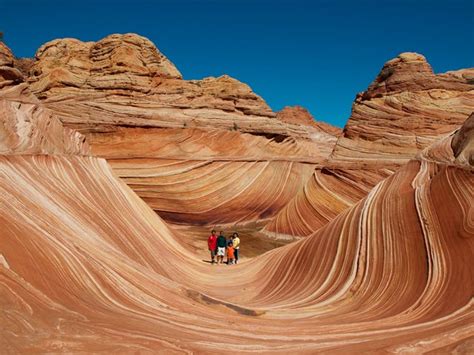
(221, 246)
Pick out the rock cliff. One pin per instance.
(26, 126)
(212, 139)
(403, 111)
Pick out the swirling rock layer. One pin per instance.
(206, 177)
(403, 111)
(87, 266)
(230, 158)
(326, 194)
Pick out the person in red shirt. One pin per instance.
(212, 245)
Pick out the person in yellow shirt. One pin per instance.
(236, 244)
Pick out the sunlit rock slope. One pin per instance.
(217, 141)
(404, 110)
(87, 266)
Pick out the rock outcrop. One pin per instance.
(99, 79)
(403, 111)
(212, 139)
(463, 143)
(26, 127)
(87, 266)
(300, 116)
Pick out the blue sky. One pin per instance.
(317, 54)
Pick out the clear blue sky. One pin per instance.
(317, 54)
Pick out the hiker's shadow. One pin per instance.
(207, 261)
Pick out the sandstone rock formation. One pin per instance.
(301, 116)
(88, 266)
(403, 111)
(330, 190)
(26, 127)
(213, 139)
(463, 143)
(125, 80)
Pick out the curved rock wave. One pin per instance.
(325, 195)
(404, 111)
(86, 265)
(136, 111)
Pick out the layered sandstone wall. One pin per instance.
(405, 110)
(87, 266)
(26, 126)
(136, 111)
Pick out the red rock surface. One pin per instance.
(463, 143)
(88, 266)
(301, 116)
(403, 111)
(26, 127)
(329, 191)
(125, 80)
(221, 141)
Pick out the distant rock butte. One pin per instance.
(404, 110)
(128, 70)
(300, 116)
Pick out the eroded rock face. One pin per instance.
(8, 74)
(404, 110)
(26, 127)
(128, 62)
(124, 80)
(136, 111)
(402, 113)
(463, 143)
(80, 251)
(301, 116)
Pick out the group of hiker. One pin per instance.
(219, 247)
